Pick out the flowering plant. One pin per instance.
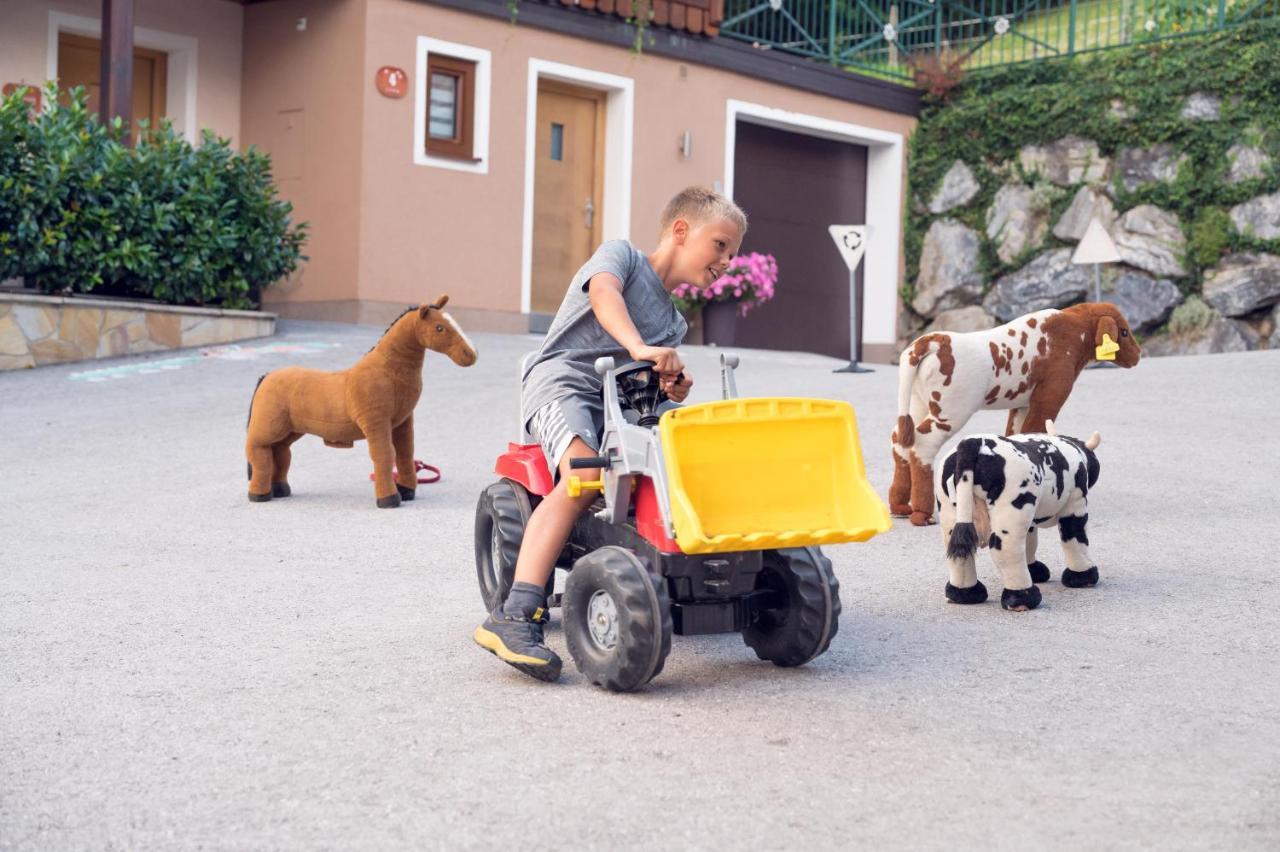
(749, 280)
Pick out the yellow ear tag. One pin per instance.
(1107, 349)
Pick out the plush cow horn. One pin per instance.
(1049, 428)
(1094, 440)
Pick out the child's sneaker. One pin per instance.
(519, 642)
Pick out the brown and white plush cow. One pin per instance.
(996, 492)
(1027, 366)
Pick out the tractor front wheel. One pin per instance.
(808, 614)
(617, 619)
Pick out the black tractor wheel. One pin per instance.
(617, 619)
(501, 515)
(802, 625)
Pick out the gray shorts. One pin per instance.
(556, 424)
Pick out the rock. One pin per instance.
(1049, 281)
(1253, 337)
(1258, 217)
(1248, 162)
(1242, 283)
(949, 276)
(1151, 239)
(1067, 162)
(1202, 107)
(1221, 335)
(1137, 167)
(1118, 110)
(1084, 207)
(958, 188)
(1273, 342)
(910, 324)
(972, 318)
(1146, 302)
(1016, 221)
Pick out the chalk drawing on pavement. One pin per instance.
(231, 352)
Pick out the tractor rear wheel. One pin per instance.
(501, 516)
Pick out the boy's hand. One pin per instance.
(665, 359)
(677, 389)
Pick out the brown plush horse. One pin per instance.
(373, 401)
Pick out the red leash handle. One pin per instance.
(433, 473)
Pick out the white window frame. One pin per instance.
(885, 151)
(619, 123)
(480, 127)
(180, 82)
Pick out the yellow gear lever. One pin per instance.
(1107, 349)
(576, 486)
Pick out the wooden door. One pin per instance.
(568, 177)
(80, 64)
(792, 186)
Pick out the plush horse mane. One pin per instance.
(434, 306)
(399, 317)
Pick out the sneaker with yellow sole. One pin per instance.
(519, 642)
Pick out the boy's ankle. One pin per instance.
(524, 600)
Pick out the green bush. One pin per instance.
(1210, 237)
(79, 211)
(1191, 316)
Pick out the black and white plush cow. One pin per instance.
(995, 492)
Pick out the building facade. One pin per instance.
(482, 148)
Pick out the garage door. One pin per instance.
(792, 186)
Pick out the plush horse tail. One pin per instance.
(249, 419)
(906, 378)
(964, 535)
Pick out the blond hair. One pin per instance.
(698, 205)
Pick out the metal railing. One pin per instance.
(882, 36)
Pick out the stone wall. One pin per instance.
(37, 330)
(1172, 149)
(1047, 199)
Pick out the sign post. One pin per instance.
(851, 240)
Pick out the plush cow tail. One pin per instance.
(249, 419)
(906, 378)
(964, 535)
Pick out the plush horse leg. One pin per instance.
(402, 438)
(1038, 570)
(963, 585)
(281, 457)
(260, 472)
(1080, 570)
(381, 451)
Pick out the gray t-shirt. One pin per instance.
(565, 365)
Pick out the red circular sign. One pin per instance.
(392, 82)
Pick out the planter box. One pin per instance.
(36, 330)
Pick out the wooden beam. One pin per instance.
(116, 95)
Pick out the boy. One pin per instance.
(618, 304)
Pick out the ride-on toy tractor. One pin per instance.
(709, 521)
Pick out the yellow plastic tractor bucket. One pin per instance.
(754, 474)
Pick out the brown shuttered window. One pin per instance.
(451, 86)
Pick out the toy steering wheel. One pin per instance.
(640, 389)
